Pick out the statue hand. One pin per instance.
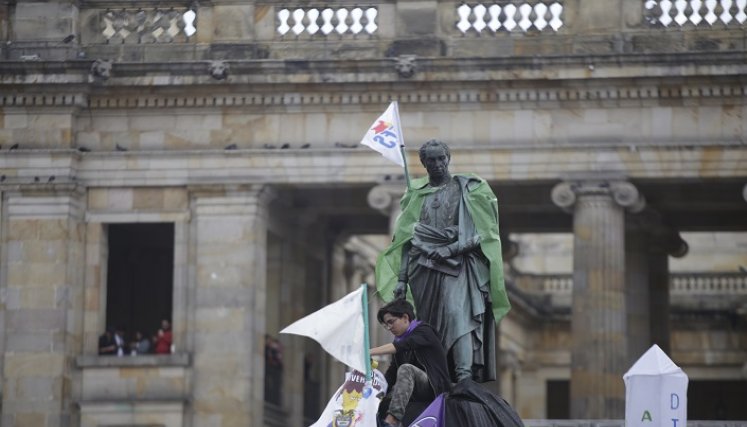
(400, 291)
(441, 253)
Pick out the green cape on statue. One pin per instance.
(482, 206)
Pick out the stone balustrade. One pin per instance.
(696, 13)
(183, 22)
(509, 17)
(688, 291)
(709, 284)
(128, 25)
(324, 21)
(687, 283)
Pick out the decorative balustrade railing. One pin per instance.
(559, 284)
(140, 26)
(325, 21)
(696, 13)
(703, 284)
(680, 284)
(510, 16)
(117, 22)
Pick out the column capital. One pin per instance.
(45, 201)
(625, 194)
(662, 236)
(384, 197)
(231, 200)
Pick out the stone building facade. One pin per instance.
(216, 144)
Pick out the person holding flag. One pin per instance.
(418, 371)
(341, 328)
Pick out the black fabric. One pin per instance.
(411, 412)
(470, 405)
(423, 349)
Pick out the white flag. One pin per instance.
(338, 327)
(356, 402)
(385, 135)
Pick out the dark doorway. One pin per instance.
(139, 277)
(717, 400)
(558, 400)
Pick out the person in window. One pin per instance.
(107, 345)
(119, 342)
(140, 345)
(419, 370)
(163, 338)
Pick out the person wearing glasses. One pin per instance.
(418, 371)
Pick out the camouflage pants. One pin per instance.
(412, 384)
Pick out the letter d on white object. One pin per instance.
(655, 384)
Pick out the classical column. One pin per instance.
(384, 198)
(292, 306)
(230, 269)
(638, 299)
(649, 244)
(43, 260)
(599, 315)
(664, 242)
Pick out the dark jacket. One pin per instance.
(423, 349)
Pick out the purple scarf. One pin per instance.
(414, 324)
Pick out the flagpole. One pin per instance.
(366, 338)
(402, 145)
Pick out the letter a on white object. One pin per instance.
(338, 327)
(655, 392)
(385, 135)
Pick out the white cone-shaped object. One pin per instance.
(655, 392)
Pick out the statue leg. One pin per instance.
(461, 352)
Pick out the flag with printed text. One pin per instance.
(356, 402)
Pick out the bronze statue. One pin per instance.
(447, 248)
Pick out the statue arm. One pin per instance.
(456, 248)
(401, 289)
(462, 248)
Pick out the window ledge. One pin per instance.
(167, 360)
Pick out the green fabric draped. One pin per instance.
(483, 207)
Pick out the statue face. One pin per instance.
(436, 162)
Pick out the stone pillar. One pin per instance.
(292, 309)
(649, 243)
(638, 299)
(384, 198)
(599, 314)
(665, 242)
(43, 236)
(230, 257)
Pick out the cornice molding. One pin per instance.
(430, 69)
(215, 169)
(611, 95)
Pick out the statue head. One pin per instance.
(435, 157)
